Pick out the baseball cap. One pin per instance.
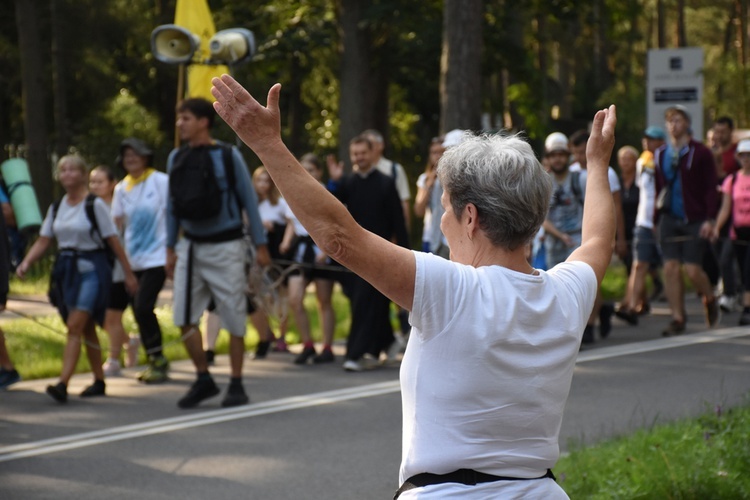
(654, 132)
(556, 141)
(140, 148)
(743, 146)
(679, 109)
(454, 138)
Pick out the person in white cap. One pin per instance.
(565, 216)
(735, 207)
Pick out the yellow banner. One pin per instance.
(196, 17)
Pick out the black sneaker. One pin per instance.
(713, 313)
(8, 377)
(58, 392)
(627, 315)
(95, 389)
(325, 356)
(307, 353)
(200, 390)
(262, 349)
(588, 335)
(745, 317)
(674, 328)
(235, 396)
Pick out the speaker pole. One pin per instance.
(180, 96)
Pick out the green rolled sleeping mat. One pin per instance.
(21, 193)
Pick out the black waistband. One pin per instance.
(228, 235)
(462, 476)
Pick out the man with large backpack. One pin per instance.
(209, 189)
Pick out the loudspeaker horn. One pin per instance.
(173, 44)
(232, 46)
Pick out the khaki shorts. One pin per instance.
(218, 273)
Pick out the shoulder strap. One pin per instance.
(55, 209)
(91, 216)
(393, 169)
(575, 186)
(228, 160)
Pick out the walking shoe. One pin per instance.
(134, 342)
(235, 396)
(728, 303)
(605, 319)
(8, 377)
(261, 349)
(200, 390)
(58, 392)
(112, 368)
(713, 313)
(391, 355)
(627, 315)
(745, 317)
(673, 328)
(351, 365)
(95, 389)
(588, 335)
(280, 346)
(325, 356)
(307, 353)
(156, 372)
(210, 357)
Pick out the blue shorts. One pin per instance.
(680, 240)
(646, 249)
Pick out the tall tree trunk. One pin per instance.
(356, 80)
(543, 62)
(460, 65)
(661, 20)
(59, 87)
(32, 77)
(681, 33)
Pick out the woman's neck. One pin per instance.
(76, 194)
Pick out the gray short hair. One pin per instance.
(501, 176)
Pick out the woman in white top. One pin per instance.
(82, 273)
(489, 363)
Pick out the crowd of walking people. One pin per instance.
(236, 250)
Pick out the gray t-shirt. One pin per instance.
(72, 228)
(566, 208)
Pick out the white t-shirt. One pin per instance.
(487, 371)
(645, 179)
(614, 181)
(402, 183)
(299, 229)
(273, 213)
(143, 210)
(72, 227)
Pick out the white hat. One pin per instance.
(556, 141)
(454, 138)
(743, 146)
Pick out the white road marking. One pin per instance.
(75, 441)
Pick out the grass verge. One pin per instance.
(704, 458)
(36, 346)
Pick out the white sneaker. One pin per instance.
(111, 368)
(352, 366)
(396, 348)
(728, 303)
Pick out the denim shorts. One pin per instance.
(89, 289)
(646, 249)
(680, 240)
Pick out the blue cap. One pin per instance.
(654, 132)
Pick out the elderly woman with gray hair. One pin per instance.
(490, 360)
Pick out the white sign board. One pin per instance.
(675, 76)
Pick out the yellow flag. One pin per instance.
(196, 17)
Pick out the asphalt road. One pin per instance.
(318, 432)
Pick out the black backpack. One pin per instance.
(193, 189)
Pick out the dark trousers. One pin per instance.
(742, 252)
(150, 283)
(371, 331)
